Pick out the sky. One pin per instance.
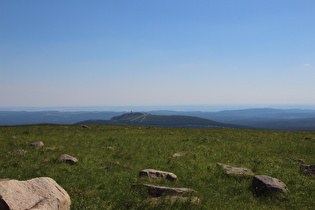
(157, 52)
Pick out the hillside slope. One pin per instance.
(143, 119)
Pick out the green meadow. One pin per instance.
(110, 158)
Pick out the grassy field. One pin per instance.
(110, 158)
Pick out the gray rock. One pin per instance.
(85, 126)
(308, 169)
(68, 159)
(39, 193)
(266, 185)
(36, 144)
(158, 191)
(19, 152)
(238, 172)
(152, 173)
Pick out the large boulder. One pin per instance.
(39, 193)
(237, 172)
(152, 173)
(266, 185)
(308, 169)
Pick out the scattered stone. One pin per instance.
(308, 169)
(19, 152)
(157, 191)
(13, 137)
(299, 160)
(179, 154)
(68, 159)
(238, 172)
(111, 148)
(36, 144)
(308, 139)
(38, 193)
(85, 126)
(266, 185)
(152, 173)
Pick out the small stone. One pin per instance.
(19, 152)
(179, 154)
(308, 169)
(152, 173)
(68, 159)
(36, 144)
(299, 160)
(266, 185)
(238, 172)
(308, 139)
(85, 126)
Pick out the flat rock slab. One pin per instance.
(266, 185)
(156, 174)
(157, 191)
(36, 144)
(173, 199)
(68, 159)
(39, 193)
(238, 172)
(308, 169)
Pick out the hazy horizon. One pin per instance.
(151, 53)
(202, 108)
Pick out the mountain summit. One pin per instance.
(143, 119)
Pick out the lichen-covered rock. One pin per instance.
(156, 174)
(238, 172)
(68, 159)
(266, 185)
(308, 169)
(39, 193)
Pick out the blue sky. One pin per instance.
(159, 52)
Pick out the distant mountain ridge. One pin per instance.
(261, 118)
(144, 119)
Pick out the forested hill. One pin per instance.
(143, 119)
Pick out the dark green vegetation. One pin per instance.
(110, 158)
(143, 119)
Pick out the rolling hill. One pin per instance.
(143, 119)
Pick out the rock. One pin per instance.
(36, 144)
(308, 139)
(152, 173)
(179, 154)
(19, 152)
(158, 191)
(39, 193)
(299, 160)
(85, 126)
(308, 169)
(68, 159)
(173, 199)
(238, 172)
(266, 185)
